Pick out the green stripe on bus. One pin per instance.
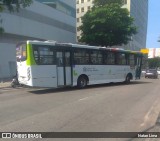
(30, 57)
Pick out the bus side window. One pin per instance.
(59, 57)
(67, 59)
(131, 60)
(120, 58)
(96, 57)
(86, 57)
(127, 59)
(100, 57)
(76, 56)
(123, 59)
(105, 58)
(93, 56)
(44, 55)
(60, 62)
(111, 58)
(81, 56)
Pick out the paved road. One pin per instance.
(102, 108)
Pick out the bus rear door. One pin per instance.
(64, 68)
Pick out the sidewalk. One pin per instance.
(5, 84)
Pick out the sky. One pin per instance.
(153, 32)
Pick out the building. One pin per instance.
(82, 6)
(137, 8)
(153, 52)
(43, 20)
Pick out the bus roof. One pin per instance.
(51, 42)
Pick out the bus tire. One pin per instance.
(128, 79)
(82, 82)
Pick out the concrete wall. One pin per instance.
(7, 60)
(40, 21)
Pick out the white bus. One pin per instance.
(52, 64)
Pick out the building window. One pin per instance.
(82, 9)
(78, 29)
(78, 37)
(89, 7)
(88, 0)
(82, 1)
(77, 19)
(77, 1)
(77, 10)
(125, 1)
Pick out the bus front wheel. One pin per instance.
(82, 82)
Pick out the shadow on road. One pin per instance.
(66, 89)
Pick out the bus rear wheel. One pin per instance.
(82, 82)
(128, 79)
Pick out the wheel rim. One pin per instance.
(83, 82)
(128, 79)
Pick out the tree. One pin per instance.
(13, 5)
(1, 29)
(107, 25)
(154, 62)
(103, 2)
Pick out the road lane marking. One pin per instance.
(83, 99)
(152, 109)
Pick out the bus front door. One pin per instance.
(138, 67)
(64, 68)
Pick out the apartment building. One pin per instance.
(153, 52)
(82, 6)
(43, 20)
(137, 8)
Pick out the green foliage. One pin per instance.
(154, 62)
(103, 2)
(1, 8)
(15, 5)
(1, 29)
(107, 26)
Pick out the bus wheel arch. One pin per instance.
(82, 81)
(129, 77)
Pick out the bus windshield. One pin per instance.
(21, 52)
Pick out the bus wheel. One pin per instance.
(128, 79)
(82, 82)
